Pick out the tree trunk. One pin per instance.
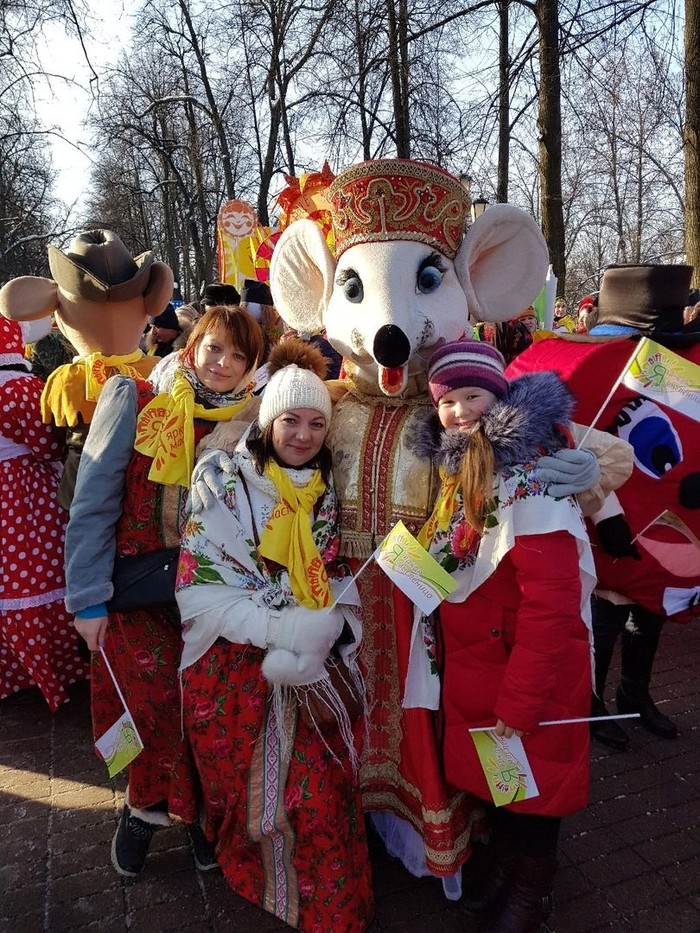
(549, 135)
(503, 104)
(399, 69)
(691, 140)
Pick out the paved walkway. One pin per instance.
(630, 863)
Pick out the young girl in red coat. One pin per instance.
(515, 644)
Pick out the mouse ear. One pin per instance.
(502, 263)
(28, 298)
(301, 276)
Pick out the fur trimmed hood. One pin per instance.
(527, 418)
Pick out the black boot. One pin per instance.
(529, 899)
(130, 844)
(485, 877)
(608, 623)
(203, 850)
(607, 731)
(638, 653)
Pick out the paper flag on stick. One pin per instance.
(413, 570)
(507, 769)
(665, 377)
(121, 743)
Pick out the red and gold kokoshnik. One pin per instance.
(398, 199)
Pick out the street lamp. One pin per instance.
(479, 205)
(465, 181)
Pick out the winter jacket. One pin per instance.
(515, 646)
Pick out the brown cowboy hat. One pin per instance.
(98, 267)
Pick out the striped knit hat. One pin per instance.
(466, 363)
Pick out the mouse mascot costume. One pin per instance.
(647, 537)
(101, 298)
(403, 278)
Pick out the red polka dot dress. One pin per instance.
(38, 645)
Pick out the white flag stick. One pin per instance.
(121, 695)
(653, 521)
(351, 581)
(609, 396)
(566, 722)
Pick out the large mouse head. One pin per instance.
(404, 277)
(100, 295)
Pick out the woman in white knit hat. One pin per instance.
(269, 660)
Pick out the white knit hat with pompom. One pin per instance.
(296, 370)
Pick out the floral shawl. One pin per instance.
(219, 562)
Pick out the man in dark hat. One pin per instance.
(164, 332)
(219, 293)
(644, 573)
(256, 298)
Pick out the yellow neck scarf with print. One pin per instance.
(287, 537)
(446, 505)
(99, 368)
(165, 431)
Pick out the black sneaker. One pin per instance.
(130, 844)
(202, 849)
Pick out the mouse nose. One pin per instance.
(391, 346)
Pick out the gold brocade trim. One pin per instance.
(381, 481)
(397, 199)
(440, 861)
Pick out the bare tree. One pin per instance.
(691, 139)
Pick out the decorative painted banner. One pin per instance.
(413, 570)
(506, 767)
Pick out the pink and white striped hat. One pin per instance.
(466, 363)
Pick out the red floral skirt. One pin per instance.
(289, 830)
(143, 649)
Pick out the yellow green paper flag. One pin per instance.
(506, 767)
(413, 570)
(121, 743)
(665, 377)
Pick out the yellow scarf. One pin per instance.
(99, 368)
(446, 505)
(287, 537)
(165, 431)
(63, 399)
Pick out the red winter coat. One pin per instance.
(518, 650)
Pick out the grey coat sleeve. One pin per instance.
(99, 491)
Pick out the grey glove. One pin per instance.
(305, 631)
(206, 480)
(568, 471)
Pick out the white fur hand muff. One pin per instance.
(299, 641)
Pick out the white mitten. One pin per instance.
(305, 631)
(206, 480)
(568, 471)
(281, 666)
(299, 641)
